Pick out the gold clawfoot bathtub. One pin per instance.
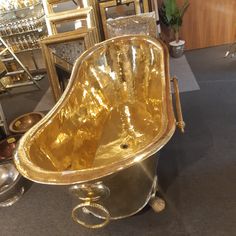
(102, 135)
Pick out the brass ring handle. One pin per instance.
(180, 122)
(94, 205)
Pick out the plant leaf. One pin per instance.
(184, 8)
(162, 14)
(170, 8)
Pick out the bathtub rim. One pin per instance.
(30, 171)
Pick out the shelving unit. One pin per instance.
(22, 26)
(21, 33)
(10, 6)
(21, 74)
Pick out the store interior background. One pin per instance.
(197, 170)
(208, 24)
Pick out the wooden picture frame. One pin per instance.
(62, 5)
(84, 15)
(68, 18)
(52, 49)
(104, 6)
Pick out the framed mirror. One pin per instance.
(144, 23)
(60, 52)
(65, 5)
(119, 8)
(68, 15)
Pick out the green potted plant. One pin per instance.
(172, 16)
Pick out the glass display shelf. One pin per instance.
(30, 7)
(25, 18)
(24, 32)
(22, 26)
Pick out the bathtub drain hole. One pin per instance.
(124, 146)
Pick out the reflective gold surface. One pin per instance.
(115, 112)
(180, 123)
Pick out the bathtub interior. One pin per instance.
(114, 107)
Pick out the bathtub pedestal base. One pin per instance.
(118, 196)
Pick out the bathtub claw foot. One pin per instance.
(157, 204)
